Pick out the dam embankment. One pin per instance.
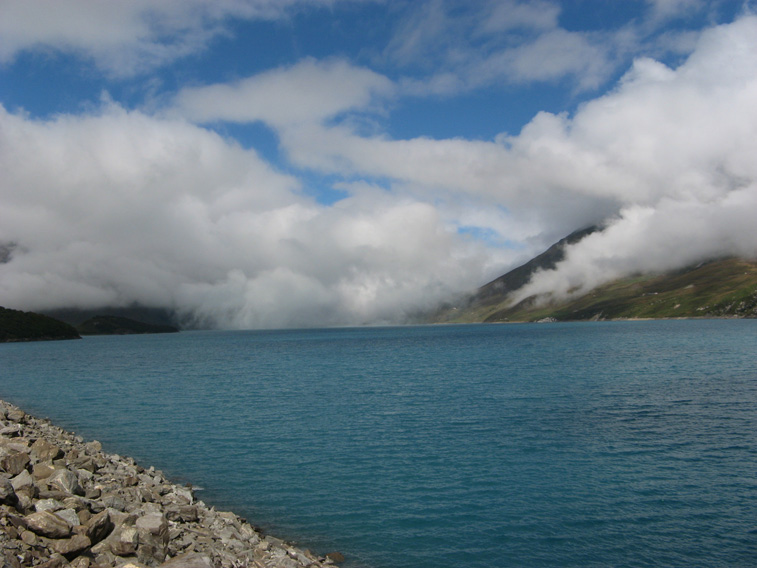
(66, 502)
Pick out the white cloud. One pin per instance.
(512, 15)
(550, 57)
(310, 91)
(117, 206)
(668, 9)
(666, 142)
(460, 47)
(679, 145)
(124, 37)
(121, 207)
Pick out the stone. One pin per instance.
(76, 503)
(86, 463)
(25, 503)
(99, 526)
(10, 431)
(126, 542)
(10, 531)
(182, 513)
(45, 523)
(113, 501)
(42, 471)
(53, 494)
(16, 415)
(71, 547)
(45, 451)
(7, 492)
(55, 561)
(130, 481)
(335, 557)
(51, 505)
(188, 560)
(15, 444)
(85, 476)
(66, 481)
(69, 515)
(84, 516)
(185, 494)
(29, 538)
(153, 537)
(228, 533)
(301, 557)
(81, 562)
(23, 479)
(93, 493)
(14, 463)
(286, 562)
(153, 523)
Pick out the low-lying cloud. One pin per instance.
(120, 206)
(675, 148)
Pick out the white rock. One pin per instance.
(51, 505)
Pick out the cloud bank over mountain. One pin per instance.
(675, 149)
(162, 206)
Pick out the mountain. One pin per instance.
(718, 288)
(16, 325)
(496, 290)
(116, 325)
(77, 316)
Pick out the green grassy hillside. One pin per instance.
(723, 288)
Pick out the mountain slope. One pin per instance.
(723, 288)
(497, 289)
(16, 325)
(719, 288)
(115, 325)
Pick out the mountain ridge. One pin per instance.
(723, 287)
(17, 325)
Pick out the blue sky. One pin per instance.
(259, 163)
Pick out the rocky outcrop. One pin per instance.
(64, 502)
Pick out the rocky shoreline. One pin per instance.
(66, 502)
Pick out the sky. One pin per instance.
(290, 163)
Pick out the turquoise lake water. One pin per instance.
(483, 446)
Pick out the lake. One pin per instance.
(484, 446)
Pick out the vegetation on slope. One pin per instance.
(16, 325)
(723, 288)
(116, 325)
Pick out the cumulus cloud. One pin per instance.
(679, 144)
(463, 46)
(124, 37)
(667, 9)
(121, 207)
(310, 91)
(668, 152)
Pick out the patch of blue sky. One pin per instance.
(47, 83)
(599, 16)
(479, 115)
(252, 135)
(243, 50)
